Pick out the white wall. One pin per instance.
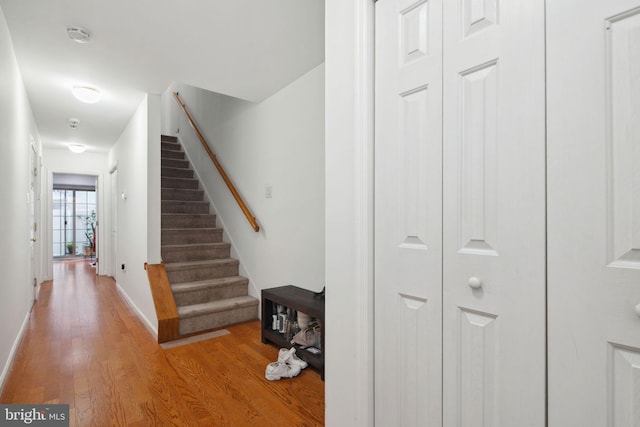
(64, 161)
(349, 213)
(278, 143)
(17, 126)
(137, 156)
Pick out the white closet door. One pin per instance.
(494, 213)
(408, 182)
(594, 212)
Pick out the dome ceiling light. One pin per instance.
(78, 34)
(77, 148)
(88, 94)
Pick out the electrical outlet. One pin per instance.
(268, 192)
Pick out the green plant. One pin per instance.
(90, 228)
(69, 248)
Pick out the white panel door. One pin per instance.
(593, 49)
(494, 213)
(408, 182)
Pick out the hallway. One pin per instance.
(85, 346)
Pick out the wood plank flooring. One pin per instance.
(85, 347)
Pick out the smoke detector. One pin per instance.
(78, 34)
(74, 123)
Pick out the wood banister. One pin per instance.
(221, 171)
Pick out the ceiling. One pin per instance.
(248, 49)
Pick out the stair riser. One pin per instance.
(182, 194)
(189, 184)
(169, 138)
(216, 320)
(184, 207)
(167, 172)
(203, 272)
(188, 221)
(211, 294)
(172, 154)
(174, 163)
(197, 253)
(188, 236)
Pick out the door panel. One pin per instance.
(460, 214)
(494, 214)
(408, 253)
(593, 83)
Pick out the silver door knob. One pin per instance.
(474, 283)
(637, 308)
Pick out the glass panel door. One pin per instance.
(74, 218)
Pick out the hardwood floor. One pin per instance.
(85, 347)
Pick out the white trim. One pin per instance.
(364, 207)
(349, 132)
(14, 349)
(153, 329)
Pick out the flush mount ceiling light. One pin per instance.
(79, 35)
(77, 148)
(88, 94)
(74, 123)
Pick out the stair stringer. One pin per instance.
(226, 237)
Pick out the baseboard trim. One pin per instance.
(14, 349)
(138, 312)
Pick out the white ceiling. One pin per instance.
(244, 48)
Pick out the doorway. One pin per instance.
(74, 213)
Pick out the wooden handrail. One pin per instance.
(221, 171)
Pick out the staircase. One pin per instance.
(207, 289)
